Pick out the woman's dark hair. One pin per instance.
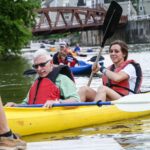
(123, 45)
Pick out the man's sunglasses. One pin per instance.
(41, 64)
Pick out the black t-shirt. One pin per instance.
(55, 58)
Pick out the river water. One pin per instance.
(131, 134)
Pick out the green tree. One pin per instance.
(16, 20)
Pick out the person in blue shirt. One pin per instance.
(77, 49)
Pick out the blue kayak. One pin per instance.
(82, 69)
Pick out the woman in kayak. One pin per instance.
(123, 77)
(7, 138)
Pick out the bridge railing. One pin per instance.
(139, 17)
(63, 19)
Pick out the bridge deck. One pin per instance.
(70, 19)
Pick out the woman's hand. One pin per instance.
(95, 68)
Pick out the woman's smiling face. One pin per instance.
(116, 54)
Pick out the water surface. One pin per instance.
(132, 134)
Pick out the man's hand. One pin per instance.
(11, 104)
(49, 103)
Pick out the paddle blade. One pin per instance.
(110, 24)
(29, 72)
(134, 103)
(111, 20)
(93, 59)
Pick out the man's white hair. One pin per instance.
(42, 52)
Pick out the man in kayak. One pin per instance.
(54, 84)
(123, 77)
(7, 138)
(64, 56)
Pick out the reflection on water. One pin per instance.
(13, 85)
(132, 134)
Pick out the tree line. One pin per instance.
(17, 17)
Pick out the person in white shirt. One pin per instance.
(123, 77)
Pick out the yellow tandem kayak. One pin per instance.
(27, 121)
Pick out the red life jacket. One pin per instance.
(123, 87)
(65, 62)
(44, 89)
(72, 63)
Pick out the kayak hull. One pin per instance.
(82, 69)
(28, 121)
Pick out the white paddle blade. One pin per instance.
(134, 103)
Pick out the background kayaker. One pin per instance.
(64, 56)
(123, 77)
(77, 49)
(68, 60)
(53, 83)
(7, 138)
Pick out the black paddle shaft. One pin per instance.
(110, 24)
(111, 20)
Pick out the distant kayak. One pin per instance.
(89, 50)
(82, 68)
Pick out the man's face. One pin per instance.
(63, 49)
(43, 66)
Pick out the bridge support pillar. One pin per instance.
(95, 37)
(90, 38)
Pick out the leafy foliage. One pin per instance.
(16, 20)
